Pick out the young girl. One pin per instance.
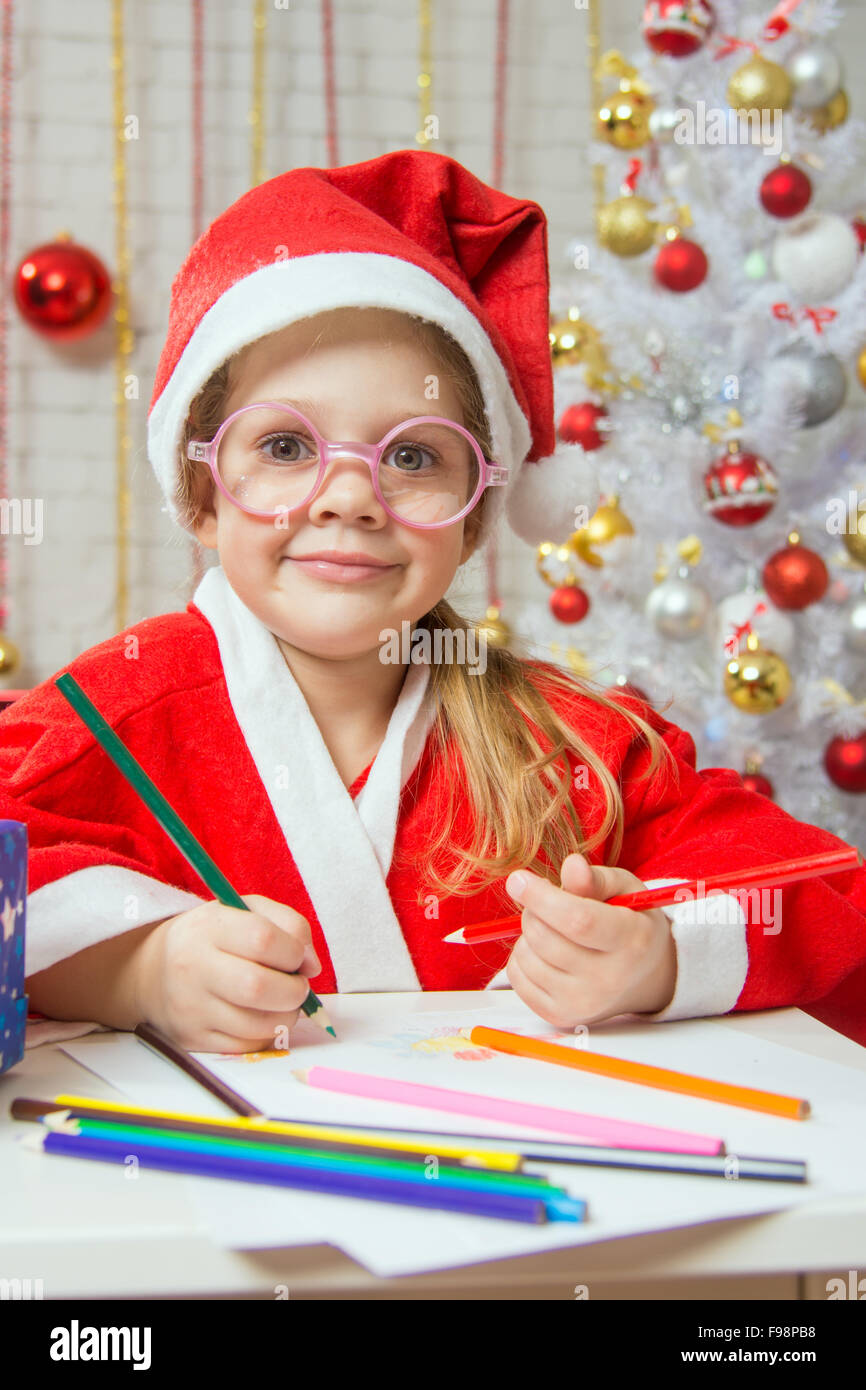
(355, 384)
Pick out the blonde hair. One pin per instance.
(519, 787)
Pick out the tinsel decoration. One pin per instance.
(424, 80)
(124, 340)
(196, 550)
(9, 654)
(257, 111)
(330, 83)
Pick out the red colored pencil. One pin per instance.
(762, 876)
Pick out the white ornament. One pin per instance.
(817, 256)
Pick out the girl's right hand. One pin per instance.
(219, 979)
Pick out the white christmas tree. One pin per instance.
(707, 353)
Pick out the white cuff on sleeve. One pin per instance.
(712, 954)
(92, 905)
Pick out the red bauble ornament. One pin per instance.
(845, 761)
(681, 265)
(739, 488)
(569, 603)
(795, 577)
(786, 190)
(757, 782)
(859, 225)
(62, 290)
(677, 27)
(580, 425)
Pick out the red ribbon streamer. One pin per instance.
(777, 23)
(631, 178)
(818, 316)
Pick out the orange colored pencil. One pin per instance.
(771, 1103)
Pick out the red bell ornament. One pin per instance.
(786, 191)
(584, 424)
(681, 265)
(677, 28)
(795, 576)
(740, 488)
(845, 763)
(62, 290)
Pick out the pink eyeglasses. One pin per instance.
(268, 459)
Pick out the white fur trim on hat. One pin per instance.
(286, 291)
(542, 504)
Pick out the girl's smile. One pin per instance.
(350, 571)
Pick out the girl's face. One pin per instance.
(365, 375)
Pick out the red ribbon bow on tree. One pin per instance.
(818, 316)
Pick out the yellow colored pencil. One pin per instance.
(241, 1125)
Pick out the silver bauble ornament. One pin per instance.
(678, 606)
(664, 121)
(855, 627)
(815, 71)
(820, 383)
(817, 256)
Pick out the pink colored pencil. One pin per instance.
(590, 1129)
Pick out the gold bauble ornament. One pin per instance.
(623, 119)
(496, 632)
(10, 656)
(827, 117)
(861, 368)
(855, 541)
(606, 523)
(625, 226)
(757, 681)
(760, 85)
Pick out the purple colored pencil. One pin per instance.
(474, 1203)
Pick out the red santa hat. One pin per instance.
(411, 230)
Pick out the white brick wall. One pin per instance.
(61, 425)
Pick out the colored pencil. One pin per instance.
(401, 1167)
(613, 1133)
(267, 1132)
(194, 852)
(480, 1147)
(441, 1198)
(171, 1051)
(518, 1045)
(761, 876)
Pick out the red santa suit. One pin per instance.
(207, 704)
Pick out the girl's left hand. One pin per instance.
(579, 960)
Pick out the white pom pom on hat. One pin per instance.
(411, 230)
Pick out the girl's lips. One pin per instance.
(344, 574)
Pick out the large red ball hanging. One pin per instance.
(681, 265)
(580, 425)
(569, 603)
(739, 488)
(677, 27)
(786, 190)
(795, 576)
(845, 762)
(757, 782)
(62, 290)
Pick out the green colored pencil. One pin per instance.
(194, 853)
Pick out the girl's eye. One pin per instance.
(285, 448)
(409, 458)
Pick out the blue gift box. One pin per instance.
(13, 912)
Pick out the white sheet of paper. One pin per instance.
(407, 1036)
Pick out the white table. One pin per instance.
(85, 1239)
